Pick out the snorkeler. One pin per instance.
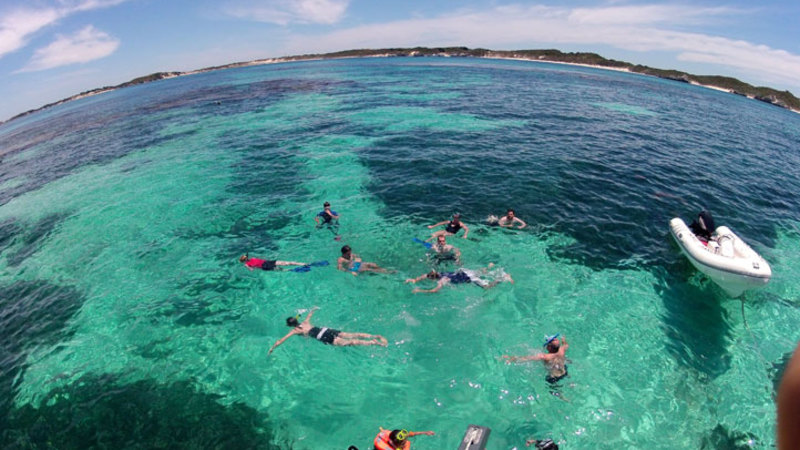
(396, 439)
(266, 264)
(554, 360)
(453, 226)
(460, 276)
(327, 335)
(443, 251)
(329, 218)
(327, 214)
(350, 262)
(510, 219)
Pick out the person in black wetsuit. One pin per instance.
(328, 335)
(453, 226)
(703, 227)
(460, 276)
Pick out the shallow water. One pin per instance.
(122, 217)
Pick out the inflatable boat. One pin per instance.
(725, 258)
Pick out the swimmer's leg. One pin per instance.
(353, 342)
(290, 263)
(372, 267)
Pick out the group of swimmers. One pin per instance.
(487, 277)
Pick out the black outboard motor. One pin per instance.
(704, 226)
(546, 444)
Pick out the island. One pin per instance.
(783, 99)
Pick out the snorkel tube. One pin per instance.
(550, 339)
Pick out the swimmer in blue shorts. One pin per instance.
(350, 262)
(328, 336)
(462, 276)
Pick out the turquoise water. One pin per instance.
(127, 318)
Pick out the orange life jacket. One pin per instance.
(384, 442)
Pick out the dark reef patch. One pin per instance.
(32, 314)
(102, 412)
(721, 438)
(32, 237)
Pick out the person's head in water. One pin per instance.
(510, 213)
(346, 251)
(243, 258)
(456, 217)
(553, 346)
(433, 275)
(441, 240)
(292, 321)
(398, 436)
(326, 206)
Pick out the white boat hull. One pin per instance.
(732, 264)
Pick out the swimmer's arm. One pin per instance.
(310, 313)
(524, 358)
(437, 224)
(339, 263)
(419, 278)
(522, 223)
(466, 229)
(281, 340)
(431, 291)
(316, 219)
(457, 252)
(415, 433)
(334, 215)
(564, 346)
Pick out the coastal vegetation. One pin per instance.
(784, 99)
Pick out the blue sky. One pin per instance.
(52, 49)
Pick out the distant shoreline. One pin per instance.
(768, 95)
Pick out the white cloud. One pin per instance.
(86, 45)
(647, 14)
(649, 28)
(16, 26)
(284, 12)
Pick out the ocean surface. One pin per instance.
(128, 322)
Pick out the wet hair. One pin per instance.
(457, 215)
(510, 211)
(552, 347)
(292, 321)
(326, 204)
(433, 275)
(393, 436)
(346, 249)
(243, 258)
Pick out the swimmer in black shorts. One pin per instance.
(554, 360)
(453, 226)
(327, 335)
(461, 276)
(266, 264)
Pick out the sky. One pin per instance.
(53, 49)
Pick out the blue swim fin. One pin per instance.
(302, 269)
(319, 263)
(420, 241)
